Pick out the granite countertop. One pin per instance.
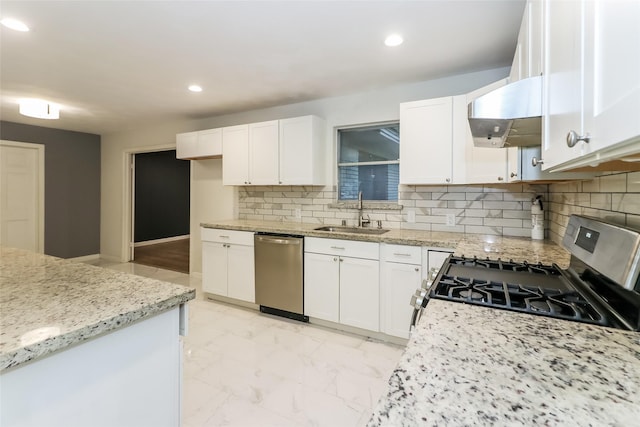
(48, 304)
(480, 245)
(469, 365)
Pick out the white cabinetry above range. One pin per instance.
(592, 86)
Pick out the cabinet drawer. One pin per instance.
(350, 248)
(227, 236)
(401, 253)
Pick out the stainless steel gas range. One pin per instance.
(601, 285)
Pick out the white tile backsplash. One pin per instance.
(492, 209)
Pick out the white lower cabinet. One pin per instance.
(322, 286)
(228, 264)
(401, 275)
(342, 282)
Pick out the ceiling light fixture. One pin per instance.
(39, 109)
(14, 24)
(393, 40)
(195, 88)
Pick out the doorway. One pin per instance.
(160, 210)
(22, 195)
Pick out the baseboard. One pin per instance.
(85, 258)
(156, 241)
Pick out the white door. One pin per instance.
(360, 293)
(235, 155)
(22, 195)
(322, 286)
(264, 157)
(214, 268)
(400, 281)
(241, 273)
(426, 138)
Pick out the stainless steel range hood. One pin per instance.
(510, 116)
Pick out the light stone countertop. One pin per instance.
(468, 365)
(48, 304)
(480, 245)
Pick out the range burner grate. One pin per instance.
(558, 303)
(511, 265)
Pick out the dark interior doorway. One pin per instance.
(161, 210)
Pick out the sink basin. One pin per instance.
(355, 230)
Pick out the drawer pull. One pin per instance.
(223, 237)
(399, 254)
(337, 247)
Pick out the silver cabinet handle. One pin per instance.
(223, 237)
(535, 162)
(335, 258)
(337, 247)
(399, 254)
(500, 178)
(573, 138)
(341, 260)
(448, 180)
(417, 269)
(513, 174)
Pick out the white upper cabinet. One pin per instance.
(302, 151)
(527, 60)
(235, 155)
(263, 153)
(592, 85)
(426, 141)
(199, 145)
(276, 152)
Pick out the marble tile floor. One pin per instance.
(244, 368)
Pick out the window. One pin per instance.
(368, 161)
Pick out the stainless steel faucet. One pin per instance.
(361, 220)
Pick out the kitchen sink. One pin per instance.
(355, 230)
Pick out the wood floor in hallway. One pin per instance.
(169, 255)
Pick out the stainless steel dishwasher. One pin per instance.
(279, 275)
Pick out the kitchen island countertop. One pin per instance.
(480, 245)
(471, 365)
(48, 304)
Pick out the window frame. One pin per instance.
(374, 163)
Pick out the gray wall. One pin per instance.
(72, 187)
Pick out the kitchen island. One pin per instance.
(472, 365)
(83, 345)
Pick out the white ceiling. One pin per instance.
(114, 65)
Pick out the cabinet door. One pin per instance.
(322, 286)
(263, 153)
(426, 141)
(186, 145)
(209, 142)
(301, 153)
(563, 87)
(399, 282)
(235, 155)
(214, 268)
(612, 72)
(360, 293)
(241, 277)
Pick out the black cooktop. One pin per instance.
(529, 288)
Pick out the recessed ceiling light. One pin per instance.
(393, 40)
(39, 109)
(14, 24)
(195, 88)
